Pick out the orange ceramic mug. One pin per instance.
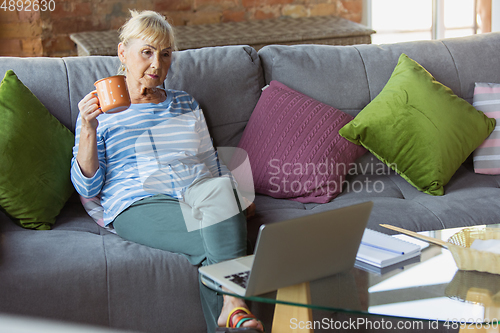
(113, 94)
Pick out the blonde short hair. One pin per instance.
(149, 26)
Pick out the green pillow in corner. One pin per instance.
(35, 157)
(419, 127)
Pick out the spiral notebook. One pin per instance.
(382, 250)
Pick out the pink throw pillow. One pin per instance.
(486, 157)
(294, 147)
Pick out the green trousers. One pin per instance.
(158, 222)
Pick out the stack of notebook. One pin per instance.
(380, 250)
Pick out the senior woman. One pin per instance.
(106, 163)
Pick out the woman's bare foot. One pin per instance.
(229, 304)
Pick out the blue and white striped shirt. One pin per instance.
(148, 149)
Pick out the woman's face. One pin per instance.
(147, 63)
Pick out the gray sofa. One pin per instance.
(80, 272)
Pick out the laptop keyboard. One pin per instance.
(239, 278)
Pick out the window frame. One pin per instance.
(438, 28)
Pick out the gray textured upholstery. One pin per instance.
(48, 273)
(349, 77)
(81, 272)
(225, 81)
(80, 84)
(49, 83)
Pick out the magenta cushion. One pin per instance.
(294, 147)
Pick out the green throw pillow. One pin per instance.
(35, 157)
(419, 128)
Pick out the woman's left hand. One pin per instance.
(250, 209)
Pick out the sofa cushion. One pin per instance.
(226, 82)
(36, 154)
(332, 75)
(419, 127)
(487, 156)
(294, 147)
(78, 85)
(55, 274)
(47, 79)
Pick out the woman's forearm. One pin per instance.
(87, 152)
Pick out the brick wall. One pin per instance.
(46, 33)
(20, 33)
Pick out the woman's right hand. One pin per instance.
(89, 110)
(87, 156)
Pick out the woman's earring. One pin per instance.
(123, 69)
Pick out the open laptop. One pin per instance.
(295, 251)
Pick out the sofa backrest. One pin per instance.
(60, 83)
(349, 77)
(226, 81)
(47, 79)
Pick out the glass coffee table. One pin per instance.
(423, 294)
